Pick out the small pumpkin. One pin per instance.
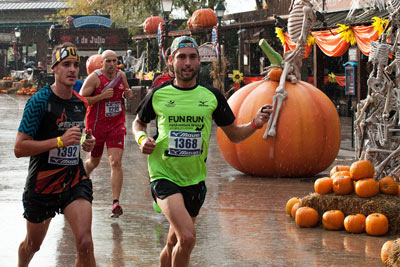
(295, 207)
(275, 74)
(361, 169)
(376, 224)
(385, 251)
(355, 223)
(150, 25)
(333, 220)
(340, 173)
(339, 168)
(290, 203)
(388, 185)
(306, 217)
(367, 187)
(323, 185)
(342, 185)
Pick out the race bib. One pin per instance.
(113, 108)
(68, 155)
(184, 144)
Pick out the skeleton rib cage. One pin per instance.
(377, 124)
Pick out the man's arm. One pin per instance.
(146, 144)
(88, 87)
(25, 146)
(127, 92)
(238, 133)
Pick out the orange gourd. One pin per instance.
(367, 187)
(93, 63)
(376, 224)
(385, 251)
(307, 134)
(202, 18)
(295, 207)
(388, 185)
(150, 25)
(340, 173)
(306, 217)
(342, 185)
(333, 220)
(290, 203)
(339, 168)
(361, 169)
(355, 223)
(275, 74)
(323, 185)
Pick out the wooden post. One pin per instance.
(318, 68)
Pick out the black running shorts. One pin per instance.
(39, 207)
(193, 195)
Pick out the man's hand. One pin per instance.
(108, 93)
(262, 115)
(147, 146)
(89, 142)
(128, 93)
(72, 136)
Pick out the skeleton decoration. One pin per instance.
(300, 21)
(368, 6)
(377, 120)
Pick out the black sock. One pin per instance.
(115, 200)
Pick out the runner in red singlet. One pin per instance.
(105, 89)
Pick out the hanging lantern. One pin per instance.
(150, 25)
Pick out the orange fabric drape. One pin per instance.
(290, 45)
(364, 35)
(332, 43)
(247, 80)
(339, 79)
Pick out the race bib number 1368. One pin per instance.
(184, 144)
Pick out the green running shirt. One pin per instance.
(184, 119)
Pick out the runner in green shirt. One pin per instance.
(184, 110)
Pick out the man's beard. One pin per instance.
(186, 78)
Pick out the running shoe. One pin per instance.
(116, 210)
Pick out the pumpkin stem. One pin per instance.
(274, 57)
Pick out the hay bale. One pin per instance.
(394, 254)
(5, 84)
(352, 204)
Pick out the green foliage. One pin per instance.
(127, 13)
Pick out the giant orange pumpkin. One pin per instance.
(202, 18)
(93, 63)
(307, 134)
(150, 25)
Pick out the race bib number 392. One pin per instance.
(184, 144)
(68, 155)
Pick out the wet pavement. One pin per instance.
(243, 221)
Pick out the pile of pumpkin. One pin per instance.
(7, 78)
(27, 91)
(344, 180)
